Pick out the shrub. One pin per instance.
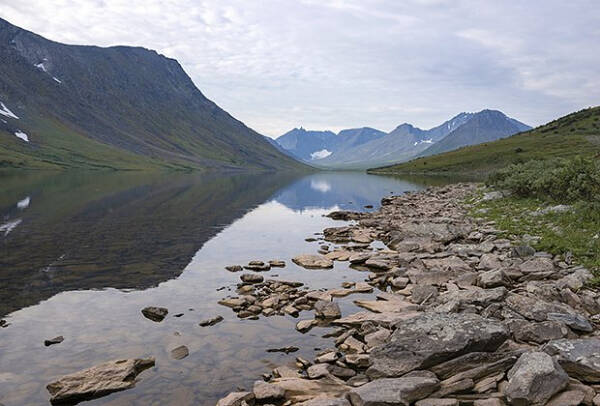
(560, 180)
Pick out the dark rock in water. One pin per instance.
(97, 381)
(55, 340)
(251, 278)
(368, 206)
(277, 263)
(344, 215)
(211, 322)
(522, 251)
(257, 266)
(534, 379)
(393, 391)
(178, 315)
(580, 357)
(234, 268)
(155, 313)
(180, 352)
(4, 323)
(430, 339)
(287, 350)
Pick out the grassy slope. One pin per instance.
(575, 134)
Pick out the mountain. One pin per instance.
(485, 126)
(365, 147)
(575, 134)
(120, 107)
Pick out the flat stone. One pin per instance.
(305, 325)
(534, 308)
(387, 306)
(383, 319)
(156, 314)
(237, 399)
(180, 352)
(277, 263)
(430, 339)
(97, 381)
(522, 251)
(575, 321)
(534, 379)
(264, 391)
(537, 264)
(538, 333)
(251, 278)
(579, 357)
(311, 261)
(298, 389)
(55, 340)
(567, 398)
(327, 310)
(325, 401)
(234, 268)
(437, 402)
(393, 391)
(211, 322)
(493, 278)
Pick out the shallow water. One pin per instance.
(81, 255)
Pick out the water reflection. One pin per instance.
(128, 233)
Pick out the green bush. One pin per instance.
(560, 180)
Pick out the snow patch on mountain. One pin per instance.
(6, 112)
(320, 154)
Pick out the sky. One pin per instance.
(335, 64)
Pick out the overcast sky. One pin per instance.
(334, 64)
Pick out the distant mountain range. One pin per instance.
(363, 148)
(64, 106)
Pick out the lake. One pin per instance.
(82, 253)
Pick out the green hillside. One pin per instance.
(575, 134)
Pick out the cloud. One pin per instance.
(332, 64)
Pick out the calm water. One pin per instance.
(82, 254)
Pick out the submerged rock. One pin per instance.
(55, 340)
(98, 381)
(180, 352)
(211, 322)
(156, 314)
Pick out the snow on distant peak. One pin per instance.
(429, 141)
(41, 66)
(22, 135)
(320, 154)
(23, 204)
(6, 112)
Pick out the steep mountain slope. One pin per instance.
(117, 107)
(304, 144)
(485, 126)
(575, 134)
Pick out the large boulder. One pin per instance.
(430, 339)
(534, 379)
(327, 310)
(393, 391)
(97, 381)
(580, 357)
(534, 308)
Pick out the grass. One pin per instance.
(576, 231)
(575, 134)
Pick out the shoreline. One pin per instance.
(461, 317)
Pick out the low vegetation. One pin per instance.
(555, 204)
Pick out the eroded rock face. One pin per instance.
(97, 381)
(534, 379)
(393, 391)
(430, 339)
(579, 357)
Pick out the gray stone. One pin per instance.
(310, 261)
(493, 278)
(437, 402)
(325, 401)
(251, 278)
(420, 293)
(430, 339)
(211, 322)
(155, 313)
(234, 268)
(327, 310)
(393, 391)
(538, 333)
(522, 251)
(575, 321)
(265, 391)
(237, 399)
(475, 296)
(55, 340)
(579, 357)
(534, 379)
(537, 264)
(534, 308)
(97, 381)
(567, 398)
(180, 352)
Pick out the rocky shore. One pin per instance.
(460, 316)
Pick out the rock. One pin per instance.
(304, 325)
(494, 195)
(537, 264)
(376, 338)
(475, 296)
(387, 306)
(98, 381)
(359, 258)
(522, 251)
(575, 321)
(156, 314)
(325, 401)
(393, 391)
(180, 352)
(286, 350)
(237, 399)
(327, 310)
(422, 293)
(383, 319)
(567, 398)
(430, 339)
(539, 333)
(489, 402)
(357, 360)
(232, 302)
(534, 379)
(534, 308)
(277, 263)
(55, 340)
(234, 268)
(437, 402)
(251, 278)
(310, 261)
(453, 264)
(579, 357)
(211, 322)
(327, 357)
(489, 261)
(576, 280)
(493, 279)
(297, 389)
(266, 391)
